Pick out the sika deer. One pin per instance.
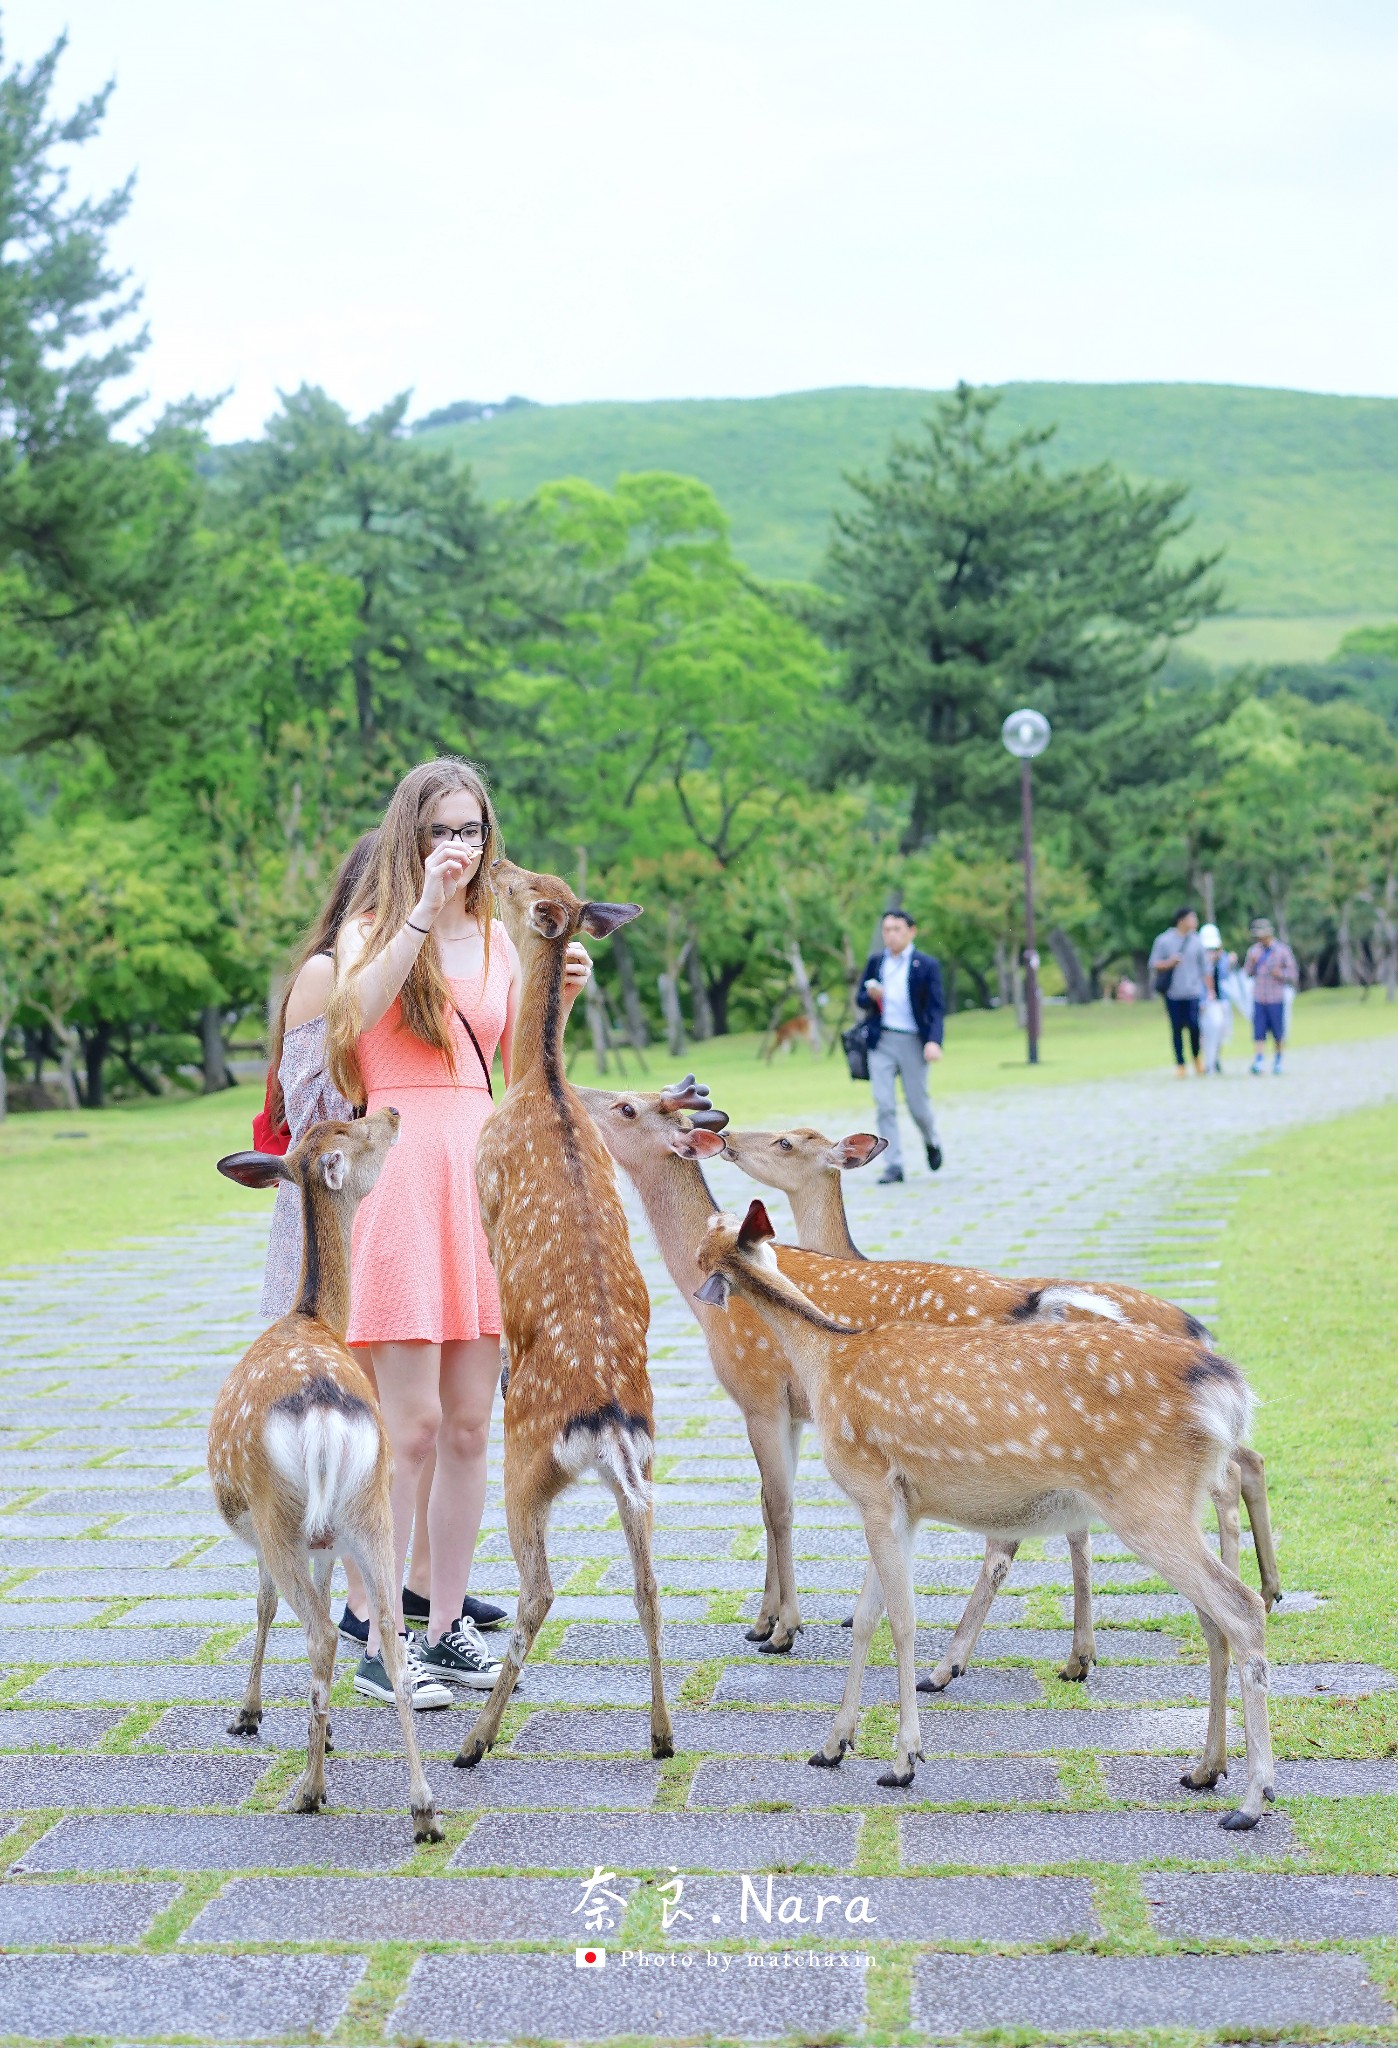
(297, 1454)
(573, 1303)
(1016, 1432)
(807, 1167)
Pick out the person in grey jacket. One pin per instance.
(1179, 962)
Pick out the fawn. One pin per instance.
(1016, 1431)
(297, 1455)
(572, 1301)
(807, 1166)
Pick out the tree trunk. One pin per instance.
(703, 1016)
(216, 1074)
(1206, 890)
(137, 1071)
(597, 1022)
(635, 1016)
(67, 1062)
(1390, 936)
(670, 1009)
(1344, 951)
(1002, 974)
(982, 985)
(97, 1043)
(808, 1002)
(1017, 991)
(1073, 972)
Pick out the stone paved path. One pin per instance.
(151, 1846)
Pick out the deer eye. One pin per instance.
(628, 1110)
(783, 1144)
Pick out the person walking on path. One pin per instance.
(1177, 964)
(901, 992)
(1216, 1008)
(1272, 966)
(427, 987)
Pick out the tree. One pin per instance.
(969, 578)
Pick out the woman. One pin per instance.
(1216, 1010)
(427, 989)
(300, 1093)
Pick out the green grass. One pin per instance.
(85, 1182)
(1298, 487)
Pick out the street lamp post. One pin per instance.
(1026, 734)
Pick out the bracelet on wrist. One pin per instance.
(423, 928)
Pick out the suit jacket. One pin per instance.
(924, 994)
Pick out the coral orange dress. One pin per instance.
(420, 1270)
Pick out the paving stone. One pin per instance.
(931, 1609)
(547, 1995)
(1135, 1685)
(135, 1583)
(1157, 1781)
(397, 1909)
(35, 1555)
(777, 1680)
(995, 1781)
(148, 1684)
(73, 1727)
(719, 1730)
(124, 1493)
(901, 1909)
(231, 1611)
(655, 1841)
(362, 1729)
(243, 1841)
(499, 1782)
(221, 1998)
(35, 1915)
(1041, 1839)
(1272, 1909)
(818, 1642)
(27, 1783)
(92, 1646)
(595, 1685)
(953, 1994)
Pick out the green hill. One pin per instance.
(1300, 489)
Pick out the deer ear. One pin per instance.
(333, 1168)
(549, 919)
(856, 1150)
(254, 1169)
(600, 920)
(715, 1290)
(697, 1144)
(756, 1227)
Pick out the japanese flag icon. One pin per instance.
(590, 1958)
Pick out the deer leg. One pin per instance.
(248, 1718)
(321, 1639)
(1177, 1550)
(999, 1555)
(1213, 1764)
(1252, 1476)
(868, 1608)
(769, 1436)
(373, 1553)
(1226, 1497)
(527, 1514)
(771, 1597)
(891, 1550)
(1083, 1654)
(322, 1571)
(636, 1522)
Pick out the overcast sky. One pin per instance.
(622, 199)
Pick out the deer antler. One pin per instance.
(685, 1094)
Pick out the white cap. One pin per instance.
(1210, 936)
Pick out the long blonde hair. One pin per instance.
(346, 893)
(388, 894)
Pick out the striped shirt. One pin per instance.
(1272, 965)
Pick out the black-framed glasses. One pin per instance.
(469, 835)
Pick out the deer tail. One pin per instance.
(323, 1443)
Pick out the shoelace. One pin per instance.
(466, 1642)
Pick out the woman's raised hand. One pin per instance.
(445, 873)
(577, 969)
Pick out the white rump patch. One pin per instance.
(324, 1457)
(616, 1453)
(1054, 1300)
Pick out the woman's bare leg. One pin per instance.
(420, 1563)
(409, 1381)
(470, 1373)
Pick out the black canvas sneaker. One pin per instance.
(461, 1658)
(424, 1691)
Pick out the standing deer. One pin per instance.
(297, 1454)
(572, 1301)
(807, 1167)
(1016, 1431)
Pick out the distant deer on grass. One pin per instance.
(297, 1454)
(785, 1037)
(1016, 1431)
(572, 1301)
(807, 1168)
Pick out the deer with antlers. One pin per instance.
(1016, 1431)
(572, 1301)
(297, 1453)
(807, 1168)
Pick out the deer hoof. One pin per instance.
(759, 1631)
(469, 1757)
(848, 1621)
(1075, 1671)
(662, 1745)
(245, 1722)
(1204, 1784)
(823, 1762)
(897, 1781)
(308, 1802)
(778, 1646)
(1237, 1821)
(426, 1826)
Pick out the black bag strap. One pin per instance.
(490, 1090)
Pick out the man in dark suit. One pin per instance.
(901, 991)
